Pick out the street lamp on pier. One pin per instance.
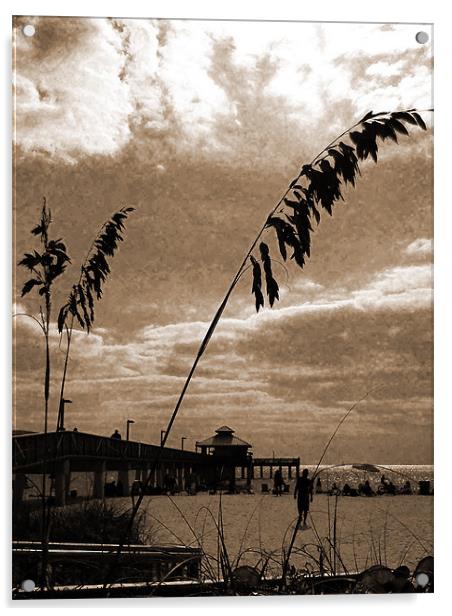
(63, 402)
(129, 421)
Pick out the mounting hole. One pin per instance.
(29, 30)
(422, 37)
(28, 585)
(422, 579)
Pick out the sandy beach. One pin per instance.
(390, 530)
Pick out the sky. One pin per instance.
(200, 126)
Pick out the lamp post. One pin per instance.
(129, 421)
(61, 413)
(183, 438)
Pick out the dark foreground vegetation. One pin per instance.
(86, 522)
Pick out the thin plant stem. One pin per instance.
(408, 529)
(207, 510)
(184, 517)
(247, 526)
(341, 421)
(403, 553)
(30, 316)
(335, 535)
(60, 424)
(288, 554)
(329, 519)
(354, 550)
(319, 541)
(46, 326)
(385, 532)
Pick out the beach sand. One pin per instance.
(387, 529)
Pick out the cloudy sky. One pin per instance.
(201, 126)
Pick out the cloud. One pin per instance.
(69, 97)
(408, 287)
(309, 359)
(385, 69)
(92, 86)
(421, 247)
(199, 125)
(402, 288)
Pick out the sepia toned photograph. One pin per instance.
(223, 308)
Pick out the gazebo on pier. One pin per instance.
(230, 452)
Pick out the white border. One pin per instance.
(413, 11)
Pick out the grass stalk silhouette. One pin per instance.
(317, 184)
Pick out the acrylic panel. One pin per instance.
(223, 336)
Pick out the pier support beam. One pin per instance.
(99, 480)
(160, 475)
(186, 472)
(62, 472)
(173, 473)
(290, 472)
(249, 474)
(124, 480)
(152, 480)
(144, 472)
(180, 478)
(67, 486)
(20, 481)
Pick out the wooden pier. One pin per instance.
(291, 464)
(60, 454)
(63, 453)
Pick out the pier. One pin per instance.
(291, 464)
(63, 453)
(216, 460)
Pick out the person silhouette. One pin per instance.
(116, 435)
(278, 482)
(304, 494)
(367, 489)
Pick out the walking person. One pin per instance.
(318, 487)
(304, 494)
(278, 482)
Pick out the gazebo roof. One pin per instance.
(224, 437)
(224, 429)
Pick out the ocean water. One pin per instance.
(396, 473)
